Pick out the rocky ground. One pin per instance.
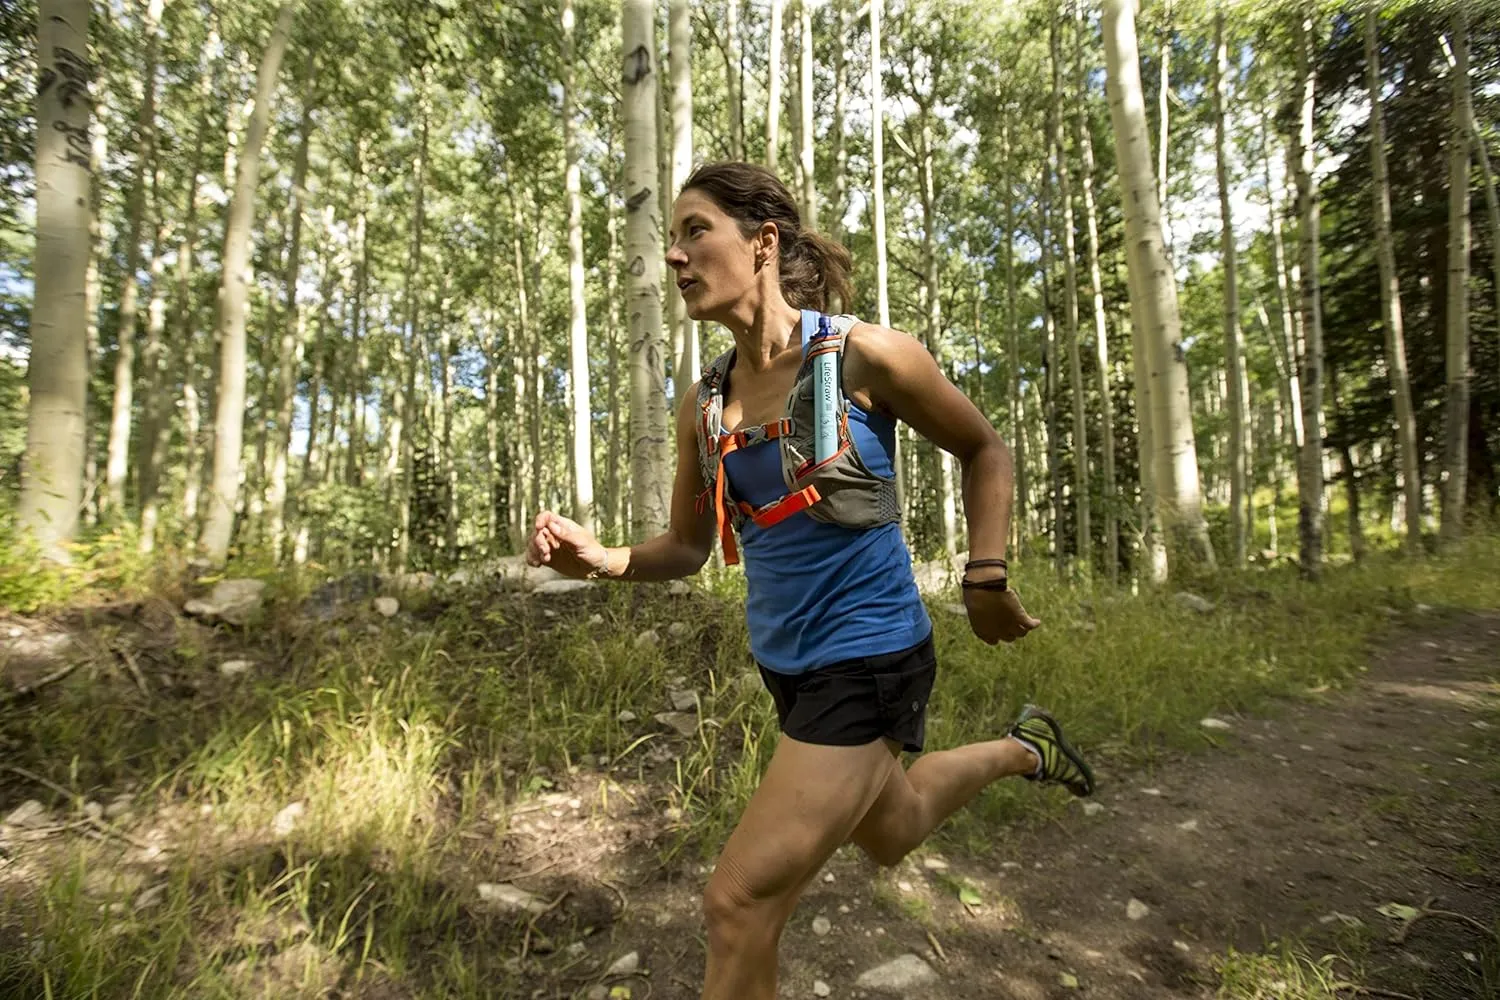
(1362, 824)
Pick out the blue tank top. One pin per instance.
(822, 593)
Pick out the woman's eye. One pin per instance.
(694, 230)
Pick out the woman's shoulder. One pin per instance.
(876, 345)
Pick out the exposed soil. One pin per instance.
(1294, 828)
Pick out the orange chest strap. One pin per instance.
(725, 445)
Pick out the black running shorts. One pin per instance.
(858, 701)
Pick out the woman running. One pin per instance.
(836, 625)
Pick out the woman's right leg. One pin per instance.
(808, 803)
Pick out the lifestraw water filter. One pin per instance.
(815, 326)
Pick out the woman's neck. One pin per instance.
(765, 330)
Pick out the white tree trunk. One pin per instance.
(805, 134)
(1163, 120)
(840, 146)
(650, 460)
(773, 85)
(57, 376)
(578, 333)
(1238, 520)
(877, 208)
(1310, 488)
(680, 69)
(735, 78)
(118, 461)
(1082, 527)
(1456, 416)
(1015, 402)
(1390, 298)
(289, 355)
(1492, 209)
(234, 291)
(1285, 337)
(1085, 143)
(1176, 457)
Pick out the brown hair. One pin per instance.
(814, 269)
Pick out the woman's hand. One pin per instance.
(565, 546)
(996, 615)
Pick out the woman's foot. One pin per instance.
(1058, 763)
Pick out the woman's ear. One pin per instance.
(767, 243)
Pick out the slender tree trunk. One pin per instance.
(98, 156)
(1238, 521)
(1176, 457)
(936, 343)
(1153, 562)
(734, 80)
(1390, 298)
(680, 59)
(1046, 231)
(1286, 339)
(1310, 499)
(1020, 523)
(118, 462)
(805, 134)
(614, 505)
(1456, 416)
(405, 428)
(233, 296)
(1082, 134)
(290, 355)
(154, 406)
(650, 464)
(445, 444)
(840, 148)
(355, 459)
(581, 397)
(1083, 529)
(877, 207)
(1163, 118)
(773, 85)
(1492, 210)
(186, 351)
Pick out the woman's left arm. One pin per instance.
(892, 373)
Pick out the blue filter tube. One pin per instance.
(825, 395)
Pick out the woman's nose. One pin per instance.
(675, 257)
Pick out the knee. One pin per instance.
(732, 912)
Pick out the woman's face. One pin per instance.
(715, 265)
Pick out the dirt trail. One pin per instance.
(1296, 827)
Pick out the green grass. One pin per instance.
(408, 745)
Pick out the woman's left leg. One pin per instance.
(809, 802)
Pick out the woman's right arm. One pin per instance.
(679, 551)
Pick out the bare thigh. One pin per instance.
(809, 802)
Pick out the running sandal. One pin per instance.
(1060, 763)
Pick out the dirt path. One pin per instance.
(1296, 828)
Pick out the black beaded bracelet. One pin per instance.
(985, 564)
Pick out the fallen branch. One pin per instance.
(52, 678)
(1371, 991)
(78, 803)
(1427, 910)
(937, 947)
(531, 924)
(135, 671)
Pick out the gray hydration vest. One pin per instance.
(840, 490)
